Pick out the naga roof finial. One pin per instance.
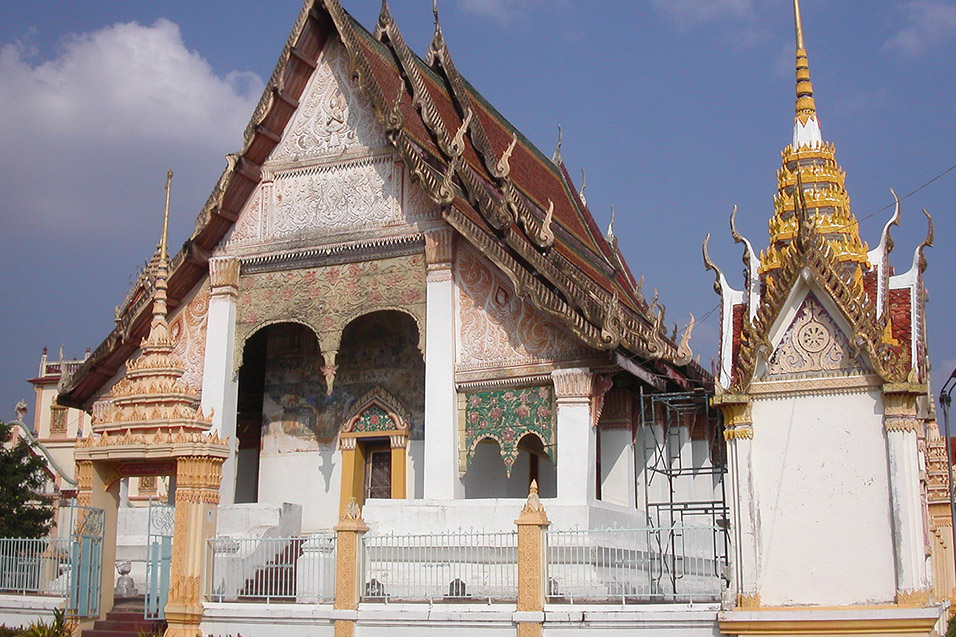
(584, 185)
(556, 157)
(919, 258)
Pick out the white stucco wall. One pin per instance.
(486, 477)
(310, 478)
(617, 467)
(820, 475)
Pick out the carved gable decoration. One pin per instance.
(188, 333)
(333, 115)
(499, 328)
(813, 346)
(506, 416)
(377, 412)
(343, 197)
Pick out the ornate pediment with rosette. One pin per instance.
(813, 345)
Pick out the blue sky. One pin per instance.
(676, 109)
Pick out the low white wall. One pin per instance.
(459, 620)
(256, 520)
(306, 477)
(22, 610)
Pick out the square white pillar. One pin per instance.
(220, 388)
(441, 405)
(575, 436)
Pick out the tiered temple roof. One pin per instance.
(506, 198)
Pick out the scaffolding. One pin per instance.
(672, 492)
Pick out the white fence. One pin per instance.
(664, 564)
(457, 565)
(300, 569)
(679, 563)
(36, 567)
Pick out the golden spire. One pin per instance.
(158, 329)
(805, 106)
(162, 243)
(810, 179)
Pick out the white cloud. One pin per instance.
(689, 13)
(927, 23)
(501, 10)
(111, 106)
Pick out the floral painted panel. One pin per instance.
(375, 419)
(505, 416)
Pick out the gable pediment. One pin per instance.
(813, 345)
(333, 117)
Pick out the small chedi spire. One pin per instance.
(152, 398)
(159, 329)
(809, 164)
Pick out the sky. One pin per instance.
(676, 110)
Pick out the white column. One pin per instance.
(441, 406)
(744, 541)
(575, 436)
(220, 388)
(901, 424)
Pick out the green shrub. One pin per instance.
(58, 627)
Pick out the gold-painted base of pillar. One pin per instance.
(529, 630)
(344, 628)
(183, 621)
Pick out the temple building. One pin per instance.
(834, 458)
(400, 379)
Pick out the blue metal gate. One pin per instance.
(159, 556)
(86, 561)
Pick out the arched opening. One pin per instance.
(379, 357)
(280, 390)
(487, 475)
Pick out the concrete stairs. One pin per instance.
(125, 620)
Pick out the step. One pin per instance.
(124, 632)
(112, 624)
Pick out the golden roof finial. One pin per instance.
(162, 243)
(805, 106)
(797, 24)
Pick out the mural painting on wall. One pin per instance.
(377, 350)
(293, 385)
(499, 328)
(505, 416)
(327, 298)
(381, 350)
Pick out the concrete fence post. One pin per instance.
(532, 571)
(348, 544)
